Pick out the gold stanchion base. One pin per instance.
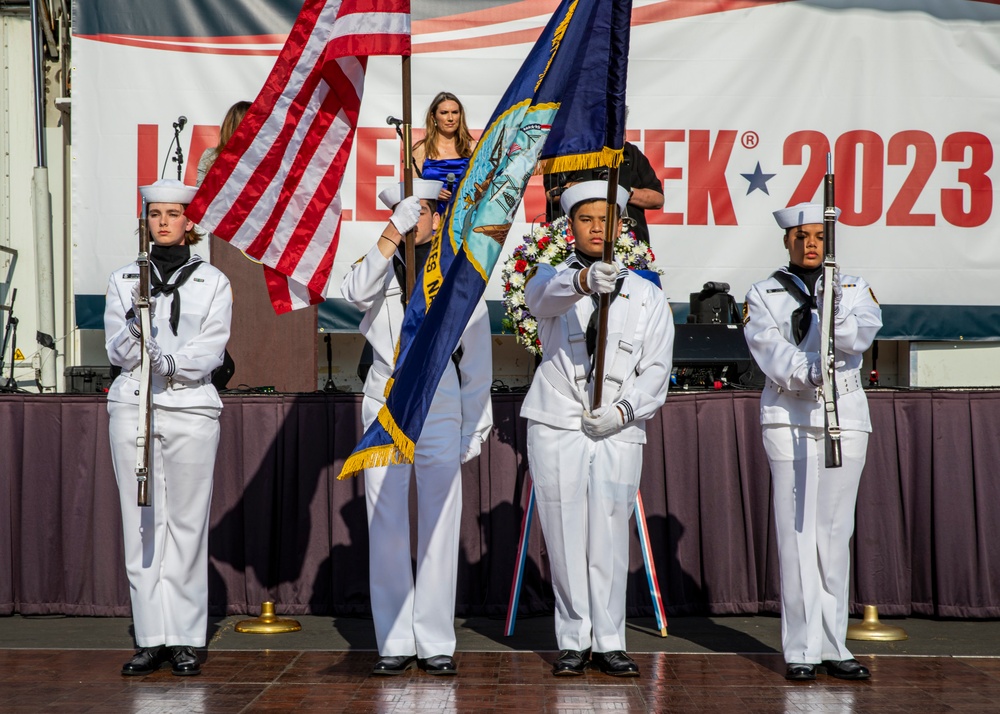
(663, 632)
(268, 623)
(872, 630)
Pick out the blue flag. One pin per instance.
(564, 111)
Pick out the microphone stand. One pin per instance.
(10, 333)
(329, 386)
(178, 157)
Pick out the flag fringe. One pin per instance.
(400, 451)
(578, 162)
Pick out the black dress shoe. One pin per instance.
(184, 661)
(800, 672)
(439, 664)
(846, 669)
(617, 664)
(396, 664)
(146, 661)
(571, 663)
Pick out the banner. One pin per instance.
(735, 104)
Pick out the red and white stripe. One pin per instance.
(274, 191)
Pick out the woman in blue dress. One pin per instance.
(444, 152)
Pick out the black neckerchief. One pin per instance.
(399, 267)
(168, 262)
(809, 276)
(802, 315)
(580, 261)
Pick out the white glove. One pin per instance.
(157, 360)
(472, 446)
(816, 370)
(602, 422)
(406, 214)
(838, 294)
(135, 299)
(601, 278)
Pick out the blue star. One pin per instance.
(758, 179)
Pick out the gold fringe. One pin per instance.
(368, 459)
(399, 438)
(400, 451)
(388, 387)
(557, 38)
(578, 162)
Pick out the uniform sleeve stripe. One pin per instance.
(628, 411)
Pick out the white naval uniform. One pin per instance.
(813, 505)
(586, 488)
(418, 617)
(166, 544)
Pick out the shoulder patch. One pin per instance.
(872, 293)
(531, 273)
(746, 312)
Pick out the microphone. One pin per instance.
(393, 121)
(450, 182)
(181, 121)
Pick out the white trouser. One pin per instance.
(166, 543)
(586, 491)
(417, 617)
(814, 521)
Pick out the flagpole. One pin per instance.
(410, 251)
(610, 229)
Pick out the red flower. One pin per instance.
(543, 242)
(520, 266)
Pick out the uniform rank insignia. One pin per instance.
(777, 290)
(531, 273)
(870, 292)
(746, 312)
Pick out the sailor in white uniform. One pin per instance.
(166, 544)
(813, 505)
(414, 619)
(586, 464)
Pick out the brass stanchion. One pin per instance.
(871, 629)
(268, 623)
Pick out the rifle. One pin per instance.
(832, 418)
(142, 438)
(604, 304)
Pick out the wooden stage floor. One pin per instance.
(705, 665)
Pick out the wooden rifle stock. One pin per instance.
(143, 436)
(834, 456)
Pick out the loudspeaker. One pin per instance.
(710, 356)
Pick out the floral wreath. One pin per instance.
(551, 243)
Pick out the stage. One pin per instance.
(283, 528)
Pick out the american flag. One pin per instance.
(274, 191)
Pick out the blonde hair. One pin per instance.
(192, 237)
(233, 118)
(463, 139)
